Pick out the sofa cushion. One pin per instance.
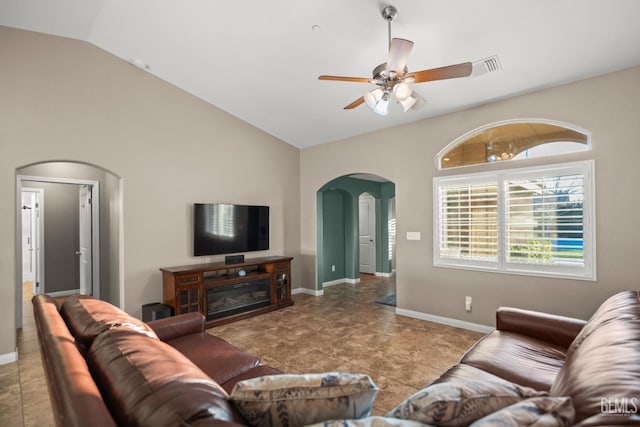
(462, 372)
(517, 358)
(458, 403)
(601, 372)
(146, 382)
(218, 359)
(88, 317)
(297, 400)
(537, 411)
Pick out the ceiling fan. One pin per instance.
(393, 79)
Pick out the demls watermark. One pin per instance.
(619, 405)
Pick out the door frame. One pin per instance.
(38, 281)
(95, 223)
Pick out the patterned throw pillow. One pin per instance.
(370, 422)
(537, 411)
(297, 400)
(458, 403)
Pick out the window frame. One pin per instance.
(586, 272)
(462, 139)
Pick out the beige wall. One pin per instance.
(608, 106)
(67, 100)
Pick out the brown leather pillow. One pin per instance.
(87, 317)
(146, 382)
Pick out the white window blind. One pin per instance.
(525, 221)
(469, 217)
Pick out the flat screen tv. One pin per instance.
(225, 229)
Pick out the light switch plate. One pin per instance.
(413, 235)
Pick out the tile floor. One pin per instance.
(24, 398)
(344, 330)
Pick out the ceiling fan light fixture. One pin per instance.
(402, 91)
(382, 106)
(372, 98)
(408, 103)
(419, 101)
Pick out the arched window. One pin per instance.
(536, 220)
(513, 140)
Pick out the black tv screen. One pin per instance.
(224, 229)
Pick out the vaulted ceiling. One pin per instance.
(259, 61)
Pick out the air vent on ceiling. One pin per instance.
(486, 66)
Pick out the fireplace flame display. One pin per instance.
(236, 298)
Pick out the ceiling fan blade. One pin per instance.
(345, 79)
(355, 103)
(398, 55)
(442, 73)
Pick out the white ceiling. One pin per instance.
(260, 60)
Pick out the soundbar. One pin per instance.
(234, 259)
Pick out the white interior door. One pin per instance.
(85, 241)
(32, 238)
(28, 238)
(367, 234)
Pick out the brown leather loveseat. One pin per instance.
(106, 368)
(595, 362)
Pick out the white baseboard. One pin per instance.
(324, 285)
(8, 358)
(64, 293)
(380, 274)
(306, 291)
(334, 282)
(445, 320)
(338, 281)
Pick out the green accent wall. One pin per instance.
(338, 228)
(333, 233)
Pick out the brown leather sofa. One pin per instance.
(106, 368)
(595, 362)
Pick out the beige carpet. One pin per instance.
(345, 330)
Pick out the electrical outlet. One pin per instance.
(333, 267)
(467, 303)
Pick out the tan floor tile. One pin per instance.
(38, 415)
(10, 404)
(346, 331)
(390, 396)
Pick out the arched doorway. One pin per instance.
(338, 228)
(91, 196)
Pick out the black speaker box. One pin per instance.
(155, 311)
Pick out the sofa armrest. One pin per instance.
(183, 324)
(559, 330)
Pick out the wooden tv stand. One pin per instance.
(223, 294)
